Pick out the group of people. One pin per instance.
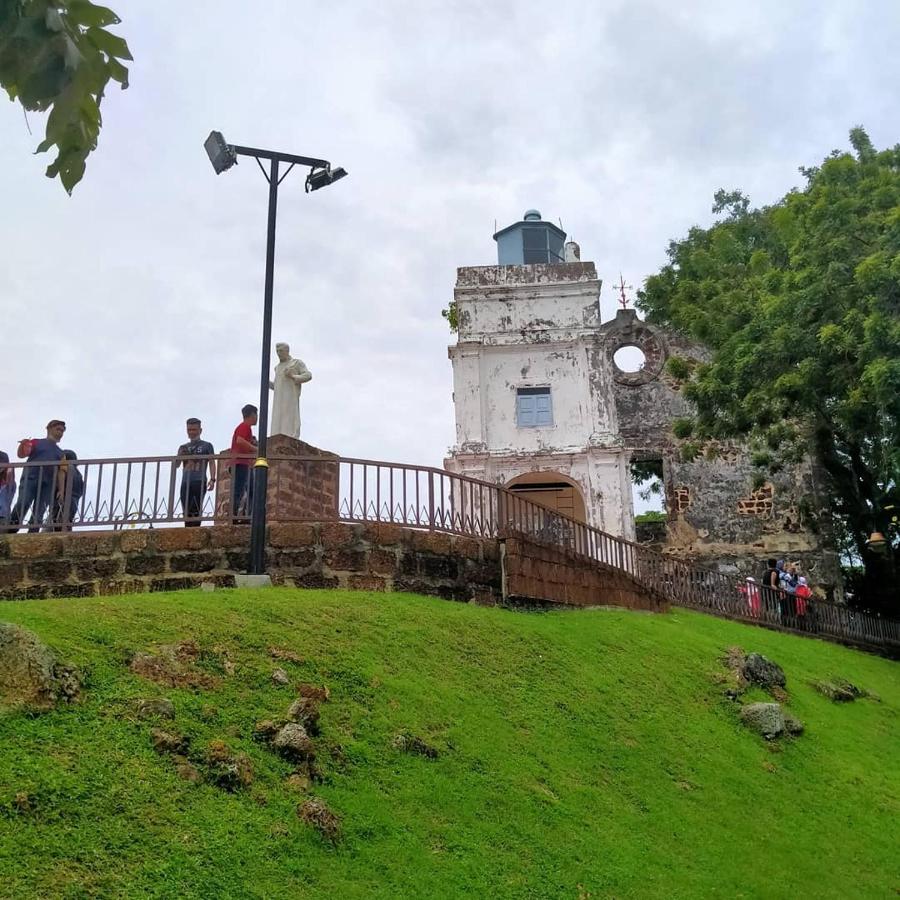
(199, 470)
(54, 484)
(782, 589)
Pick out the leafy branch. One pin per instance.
(58, 55)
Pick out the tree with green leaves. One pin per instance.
(58, 55)
(799, 303)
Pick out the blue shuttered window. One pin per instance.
(533, 407)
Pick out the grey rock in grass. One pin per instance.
(305, 711)
(280, 677)
(30, 673)
(298, 781)
(757, 669)
(766, 719)
(293, 742)
(319, 693)
(792, 725)
(315, 812)
(838, 691)
(265, 730)
(166, 742)
(409, 743)
(186, 770)
(226, 769)
(160, 707)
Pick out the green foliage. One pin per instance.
(649, 474)
(580, 752)
(761, 459)
(644, 469)
(799, 303)
(450, 315)
(682, 428)
(679, 368)
(58, 55)
(651, 516)
(690, 451)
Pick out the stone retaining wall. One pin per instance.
(537, 572)
(374, 557)
(364, 557)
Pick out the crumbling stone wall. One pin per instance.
(716, 514)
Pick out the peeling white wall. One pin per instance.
(537, 326)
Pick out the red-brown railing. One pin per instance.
(149, 492)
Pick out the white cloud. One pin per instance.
(137, 302)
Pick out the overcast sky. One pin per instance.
(137, 302)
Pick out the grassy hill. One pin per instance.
(581, 754)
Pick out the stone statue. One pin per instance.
(290, 376)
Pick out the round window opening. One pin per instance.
(629, 359)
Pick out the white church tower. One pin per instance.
(532, 383)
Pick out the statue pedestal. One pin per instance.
(300, 489)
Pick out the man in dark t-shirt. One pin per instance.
(243, 453)
(38, 487)
(194, 483)
(770, 592)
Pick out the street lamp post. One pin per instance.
(223, 156)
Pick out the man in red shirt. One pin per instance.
(243, 453)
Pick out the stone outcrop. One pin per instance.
(305, 711)
(293, 742)
(770, 720)
(839, 691)
(168, 742)
(410, 743)
(315, 812)
(30, 673)
(155, 707)
(757, 669)
(227, 769)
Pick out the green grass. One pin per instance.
(582, 754)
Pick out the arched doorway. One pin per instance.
(551, 490)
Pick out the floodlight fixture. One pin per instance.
(221, 155)
(319, 178)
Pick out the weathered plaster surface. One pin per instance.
(535, 326)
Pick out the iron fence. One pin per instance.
(155, 492)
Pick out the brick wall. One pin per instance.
(365, 557)
(298, 489)
(536, 572)
(374, 557)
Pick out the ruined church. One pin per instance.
(545, 406)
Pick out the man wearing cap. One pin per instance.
(38, 487)
(194, 484)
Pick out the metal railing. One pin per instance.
(104, 493)
(151, 492)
